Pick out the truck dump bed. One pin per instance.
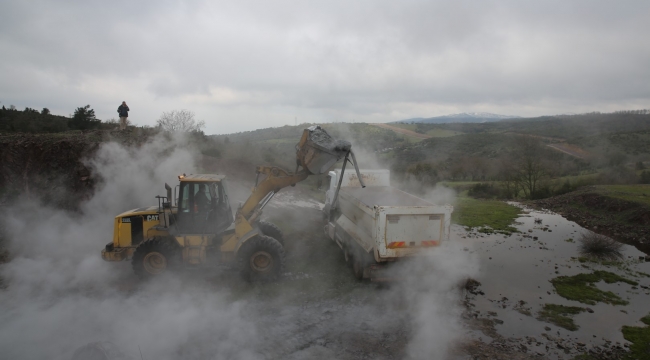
(384, 196)
(390, 223)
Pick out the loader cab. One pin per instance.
(203, 206)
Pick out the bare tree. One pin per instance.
(509, 177)
(180, 121)
(530, 164)
(476, 167)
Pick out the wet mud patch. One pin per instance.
(516, 281)
(621, 212)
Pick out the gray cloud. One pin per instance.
(248, 64)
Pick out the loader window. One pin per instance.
(198, 211)
(202, 199)
(188, 208)
(223, 213)
(184, 205)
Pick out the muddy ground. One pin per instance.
(318, 310)
(625, 221)
(53, 167)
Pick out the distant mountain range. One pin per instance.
(474, 117)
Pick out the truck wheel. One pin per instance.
(357, 268)
(270, 229)
(326, 212)
(348, 257)
(153, 257)
(261, 259)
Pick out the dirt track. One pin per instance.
(403, 131)
(570, 150)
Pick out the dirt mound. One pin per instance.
(51, 166)
(625, 221)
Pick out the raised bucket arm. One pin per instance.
(317, 151)
(315, 154)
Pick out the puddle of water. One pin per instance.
(518, 267)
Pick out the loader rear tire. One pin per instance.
(261, 259)
(272, 230)
(155, 256)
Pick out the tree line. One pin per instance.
(34, 121)
(31, 120)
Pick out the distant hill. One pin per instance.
(473, 117)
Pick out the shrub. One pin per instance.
(84, 119)
(618, 175)
(542, 192)
(644, 178)
(600, 246)
(484, 191)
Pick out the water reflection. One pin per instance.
(516, 271)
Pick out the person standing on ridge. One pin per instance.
(123, 110)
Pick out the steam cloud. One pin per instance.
(431, 289)
(60, 295)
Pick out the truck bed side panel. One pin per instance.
(363, 239)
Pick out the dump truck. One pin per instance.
(196, 228)
(380, 224)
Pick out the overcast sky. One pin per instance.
(242, 65)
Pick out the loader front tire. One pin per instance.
(154, 257)
(261, 259)
(272, 230)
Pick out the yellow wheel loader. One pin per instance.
(196, 228)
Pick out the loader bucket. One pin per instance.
(317, 151)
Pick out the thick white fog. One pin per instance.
(60, 295)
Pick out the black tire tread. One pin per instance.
(272, 230)
(163, 245)
(260, 242)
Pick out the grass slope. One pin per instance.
(636, 193)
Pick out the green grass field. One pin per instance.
(496, 215)
(639, 193)
(585, 178)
